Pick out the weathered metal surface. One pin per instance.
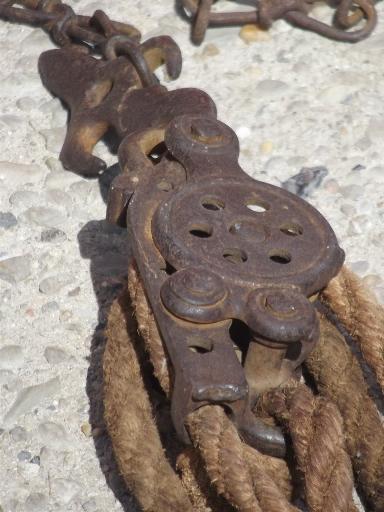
(230, 265)
(216, 248)
(104, 95)
(348, 14)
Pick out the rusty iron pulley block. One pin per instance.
(348, 14)
(219, 251)
(231, 266)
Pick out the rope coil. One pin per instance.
(334, 434)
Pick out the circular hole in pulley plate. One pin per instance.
(235, 256)
(212, 203)
(291, 229)
(200, 230)
(257, 205)
(280, 256)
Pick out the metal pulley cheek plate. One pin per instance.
(237, 233)
(198, 353)
(213, 247)
(248, 231)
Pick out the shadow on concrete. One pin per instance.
(107, 248)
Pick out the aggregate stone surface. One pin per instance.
(295, 100)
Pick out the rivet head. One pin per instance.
(280, 314)
(197, 286)
(206, 130)
(193, 293)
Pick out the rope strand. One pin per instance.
(339, 378)
(316, 429)
(200, 490)
(148, 329)
(239, 472)
(130, 422)
(357, 309)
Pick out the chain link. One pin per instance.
(348, 14)
(88, 34)
(65, 26)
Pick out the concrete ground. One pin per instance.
(295, 101)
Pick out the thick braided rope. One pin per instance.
(316, 429)
(252, 471)
(128, 416)
(148, 329)
(245, 477)
(198, 485)
(339, 377)
(358, 310)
